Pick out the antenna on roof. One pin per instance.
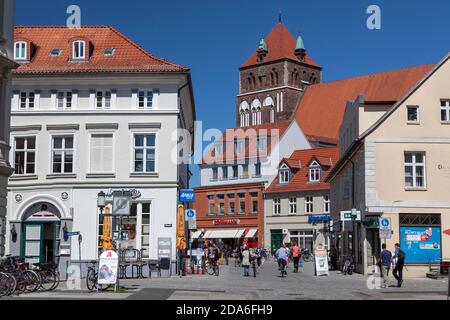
(280, 20)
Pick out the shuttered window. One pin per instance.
(102, 153)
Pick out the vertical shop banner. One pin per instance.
(321, 260)
(108, 266)
(181, 229)
(421, 244)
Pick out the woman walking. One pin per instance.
(246, 261)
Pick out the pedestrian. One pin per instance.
(246, 261)
(282, 256)
(400, 256)
(384, 263)
(296, 256)
(333, 257)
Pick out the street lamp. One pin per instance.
(101, 201)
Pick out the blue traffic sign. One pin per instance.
(72, 234)
(190, 214)
(187, 196)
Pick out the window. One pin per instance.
(211, 210)
(292, 205)
(25, 155)
(309, 208)
(262, 143)
(231, 210)
(145, 234)
(215, 174)
(79, 50)
(415, 170)
(272, 115)
(27, 100)
(235, 172)
(314, 172)
(64, 100)
(413, 114)
(102, 153)
(56, 52)
(219, 149)
(145, 99)
(103, 99)
(242, 207)
(221, 208)
(326, 204)
(245, 171)
(276, 206)
(20, 50)
(224, 173)
(257, 169)
(284, 176)
(445, 110)
(145, 153)
(109, 52)
(254, 206)
(62, 154)
(238, 146)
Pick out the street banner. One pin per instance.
(107, 267)
(321, 260)
(181, 229)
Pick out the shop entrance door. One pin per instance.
(276, 238)
(40, 242)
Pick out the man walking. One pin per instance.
(385, 265)
(400, 256)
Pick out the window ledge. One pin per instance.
(62, 176)
(416, 189)
(144, 175)
(22, 177)
(413, 123)
(100, 175)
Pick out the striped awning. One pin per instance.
(196, 235)
(224, 234)
(251, 233)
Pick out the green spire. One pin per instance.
(300, 44)
(262, 45)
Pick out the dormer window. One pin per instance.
(314, 172)
(109, 52)
(79, 50)
(285, 174)
(20, 51)
(55, 52)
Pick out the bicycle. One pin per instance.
(307, 256)
(212, 267)
(92, 279)
(26, 280)
(48, 274)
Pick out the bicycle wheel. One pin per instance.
(22, 281)
(57, 280)
(33, 281)
(209, 268)
(4, 287)
(12, 284)
(91, 280)
(48, 279)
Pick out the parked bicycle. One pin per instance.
(307, 255)
(17, 278)
(48, 274)
(92, 278)
(212, 266)
(348, 266)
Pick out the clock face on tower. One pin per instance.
(261, 71)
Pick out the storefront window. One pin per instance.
(145, 234)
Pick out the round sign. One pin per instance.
(385, 223)
(190, 214)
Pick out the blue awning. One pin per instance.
(318, 218)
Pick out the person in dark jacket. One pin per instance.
(385, 265)
(399, 256)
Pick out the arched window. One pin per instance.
(258, 116)
(20, 50)
(242, 118)
(272, 115)
(254, 120)
(247, 118)
(79, 50)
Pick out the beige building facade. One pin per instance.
(395, 163)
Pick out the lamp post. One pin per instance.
(101, 201)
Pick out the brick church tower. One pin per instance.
(273, 79)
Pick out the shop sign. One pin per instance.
(351, 215)
(164, 248)
(321, 262)
(227, 222)
(108, 266)
(318, 218)
(421, 244)
(121, 203)
(187, 196)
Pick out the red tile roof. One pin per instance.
(321, 110)
(252, 132)
(280, 45)
(328, 157)
(128, 56)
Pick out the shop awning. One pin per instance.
(196, 234)
(223, 234)
(251, 233)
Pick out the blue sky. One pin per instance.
(214, 38)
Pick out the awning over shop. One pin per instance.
(251, 233)
(196, 234)
(223, 234)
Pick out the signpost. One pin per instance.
(385, 228)
(191, 218)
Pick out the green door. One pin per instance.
(40, 241)
(276, 238)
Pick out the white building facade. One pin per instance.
(107, 119)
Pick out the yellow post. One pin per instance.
(106, 239)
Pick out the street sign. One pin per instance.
(187, 196)
(191, 214)
(121, 203)
(350, 215)
(192, 224)
(385, 224)
(385, 233)
(71, 234)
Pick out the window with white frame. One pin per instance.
(309, 207)
(276, 206)
(145, 99)
(24, 155)
(231, 208)
(27, 100)
(145, 228)
(413, 114)
(79, 50)
(284, 175)
(103, 99)
(238, 146)
(62, 154)
(102, 153)
(215, 174)
(258, 169)
(20, 51)
(262, 143)
(235, 172)
(245, 172)
(445, 110)
(326, 204)
(65, 100)
(314, 172)
(415, 170)
(292, 205)
(144, 153)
